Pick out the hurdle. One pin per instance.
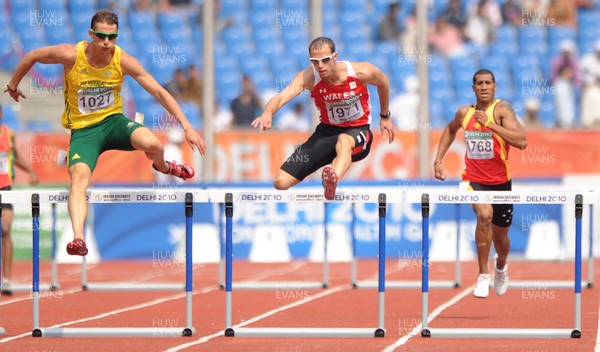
(501, 197)
(53, 285)
(269, 285)
(559, 284)
(405, 284)
(122, 286)
(231, 197)
(109, 196)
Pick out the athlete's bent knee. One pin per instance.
(280, 184)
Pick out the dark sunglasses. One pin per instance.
(324, 59)
(102, 35)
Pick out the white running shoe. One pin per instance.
(501, 280)
(482, 289)
(6, 289)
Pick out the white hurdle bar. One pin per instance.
(127, 285)
(270, 285)
(502, 197)
(405, 284)
(229, 197)
(188, 197)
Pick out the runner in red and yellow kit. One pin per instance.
(9, 158)
(94, 72)
(490, 128)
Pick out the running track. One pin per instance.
(337, 306)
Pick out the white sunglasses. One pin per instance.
(324, 59)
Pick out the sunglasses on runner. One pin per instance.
(324, 59)
(102, 35)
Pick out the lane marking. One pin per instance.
(204, 339)
(417, 330)
(294, 267)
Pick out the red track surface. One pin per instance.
(337, 306)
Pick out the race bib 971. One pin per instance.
(344, 111)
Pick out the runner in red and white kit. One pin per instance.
(490, 128)
(339, 91)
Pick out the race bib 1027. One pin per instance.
(94, 99)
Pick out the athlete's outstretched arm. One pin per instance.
(131, 66)
(64, 54)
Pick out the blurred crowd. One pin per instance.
(574, 81)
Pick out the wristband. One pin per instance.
(487, 122)
(10, 90)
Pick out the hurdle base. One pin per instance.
(274, 285)
(19, 287)
(405, 284)
(545, 284)
(114, 332)
(132, 286)
(499, 333)
(306, 332)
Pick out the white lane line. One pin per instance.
(295, 266)
(117, 311)
(417, 330)
(204, 339)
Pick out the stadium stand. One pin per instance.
(268, 38)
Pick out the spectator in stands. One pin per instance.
(590, 65)
(532, 116)
(9, 157)
(405, 106)
(534, 12)
(120, 7)
(492, 11)
(192, 91)
(408, 38)
(447, 39)
(297, 119)
(177, 85)
(590, 109)
(512, 13)
(94, 72)
(562, 13)
(247, 105)
(490, 125)
(455, 15)
(340, 91)
(480, 29)
(223, 117)
(389, 28)
(564, 98)
(152, 5)
(566, 57)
